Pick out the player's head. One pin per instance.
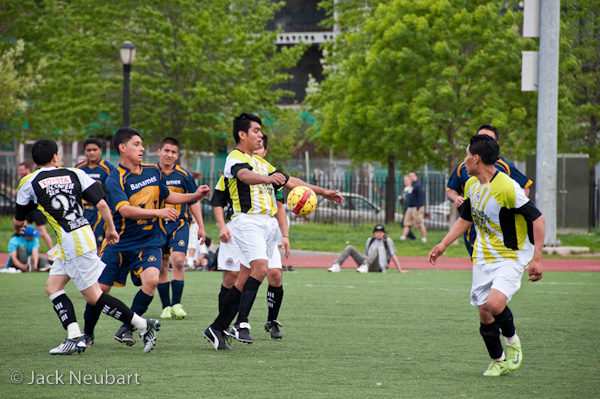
(262, 151)
(122, 138)
(168, 152)
(92, 148)
(243, 123)
(24, 169)
(44, 152)
(484, 147)
(488, 130)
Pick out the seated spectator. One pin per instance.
(204, 257)
(379, 250)
(23, 251)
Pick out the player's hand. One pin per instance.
(333, 196)
(224, 235)
(285, 244)
(202, 192)
(277, 179)
(535, 271)
(458, 201)
(111, 236)
(201, 234)
(435, 253)
(169, 214)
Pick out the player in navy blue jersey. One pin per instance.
(98, 169)
(459, 177)
(178, 180)
(136, 196)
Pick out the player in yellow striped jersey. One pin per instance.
(252, 184)
(502, 216)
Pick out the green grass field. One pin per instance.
(346, 335)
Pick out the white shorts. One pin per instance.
(193, 238)
(230, 256)
(84, 270)
(504, 276)
(255, 235)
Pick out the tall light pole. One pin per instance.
(127, 57)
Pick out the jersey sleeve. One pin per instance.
(519, 177)
(391, 246)
(94, 193)
(454, 181)
(221, 194)
(26, 200)
(464, 210)
(116, 196)
(279, 195)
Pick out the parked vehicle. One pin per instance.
(438, 216)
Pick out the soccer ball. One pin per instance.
(302, 201)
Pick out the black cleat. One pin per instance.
(273, 328)
(216, 338)
(241, 332)
(88, 339)
(125, 336)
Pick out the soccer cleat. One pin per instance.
(69, 346)
(125, 336)
(216, 338)
(514, 355)
(363, 268)
(88, 339)
(241, 332)
(178, 312)
(166, 313)
(149, 336)
(273, 328)
(496, 369)
(335, 268)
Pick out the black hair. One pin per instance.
(265, 141)
(490, 128)
(94, 141)
(122, 136)
(207, 241)
(486, 147)
(242, 122)
(171, 141)
(43, 151)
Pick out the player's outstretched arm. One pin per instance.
(136, 213)
(396, 262)
(180, 198)
(331, 195)
(457, 230)
(249, 177)
(534, 269)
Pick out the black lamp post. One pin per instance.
(127, 57)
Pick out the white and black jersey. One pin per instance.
(58, 193)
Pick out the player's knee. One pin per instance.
(274, 277)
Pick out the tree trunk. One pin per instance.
(390, 190)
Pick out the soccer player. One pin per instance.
(59, 192)
(98, 169)
(136, 195)
(459, 177)
(178, 180)
(502, 216)
(252, 183)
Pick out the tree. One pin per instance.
(416, 80)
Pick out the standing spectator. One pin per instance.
(35, 216)
(415, 208)
(403, 198)
(23, 250)
(379, 250)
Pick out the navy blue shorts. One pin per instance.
(178, 235)
(119, 264)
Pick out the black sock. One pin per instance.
(177, 288)
(491, 337)
(231, 304)
(64, 310)
(505, 322)
(163, 292)
(247, 299)
(222, 295)
(140, 303)
(91, 316)
(113, 307)
(274, 299)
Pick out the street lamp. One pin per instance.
(127, 57)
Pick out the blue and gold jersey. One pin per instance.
(145, 190)
(459, 176)
(181, 181)
(100, 173)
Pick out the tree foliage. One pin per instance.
(417, 78)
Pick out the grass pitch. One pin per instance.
(346, 335)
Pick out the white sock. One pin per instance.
(402, 238)
(501, 358)
(139, 322)
(73, 330)
(511, 340)
(424, 239)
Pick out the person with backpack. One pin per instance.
(379, 250)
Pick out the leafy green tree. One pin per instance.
(414, 81)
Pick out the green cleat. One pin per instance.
(514, 355)
(496, 369)
(178, 312)
(166, 313)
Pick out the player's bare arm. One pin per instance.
(282, 220)
(331, 195)
(456, 198)
(534, 269)
(396, 262)
(137, 213)
(457, 230)
(180, 198)
(224, 233)
(249, 177)
(111, 235)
